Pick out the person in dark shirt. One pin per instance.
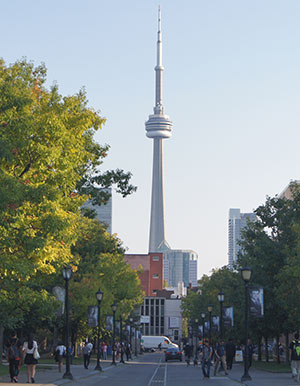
(295, 357)
(14, 350)
(220, 357)
(230, 353)
(188, 353)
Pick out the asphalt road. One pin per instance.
(152, 370)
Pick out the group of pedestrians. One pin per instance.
(18, 353)
(219, 354)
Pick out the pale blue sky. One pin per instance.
(231, 88)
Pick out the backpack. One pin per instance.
(13, 352)
(296, 349)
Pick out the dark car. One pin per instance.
(173, 353)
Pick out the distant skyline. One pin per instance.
(231, 88)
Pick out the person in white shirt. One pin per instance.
(87, 351)
(29, 347)
(59, 355)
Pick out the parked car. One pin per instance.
(173, 353)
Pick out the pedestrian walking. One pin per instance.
(230, 353)
(60, 352)
(187, 353)
(87, 350)
(220, 357)
(122, 351)
(30, 350)
(127, 352)
(104, 350)
(14, 350)
(295, 357)
(206, 355)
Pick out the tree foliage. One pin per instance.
(49, 166)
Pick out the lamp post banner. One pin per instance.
(117, 328)
(256, 301)
(206, 326)
(92, 316)
(59, 293)
(215, 323)
(228, 316)
(109, 322)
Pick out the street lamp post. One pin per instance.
(121, 341)
(67, 273)
(221, 300)
(99, 296)
(203, 325)
(130, 332)
(135, 340)
(114, 309)
(246, 276)
(196, 334)
(209, 308)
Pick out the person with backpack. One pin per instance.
(14, 350)
(295, 357)
(188, 353)
(60, 353)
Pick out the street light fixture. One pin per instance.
(203, 325)
(246, 276)
(130, 332)
(67, 273)
(135, 339)
(209, 308)
(99, 297)
(114, 309)
(221, 300)
(196, 334)
(121, 341)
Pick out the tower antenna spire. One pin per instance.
(158, 108)
(158, 127)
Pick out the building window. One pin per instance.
(155, 276)
(155, 258)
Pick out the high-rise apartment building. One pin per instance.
(237, 221)
(103, 212)
(180, 266)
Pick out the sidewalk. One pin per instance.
(261, 378)
(48, 375)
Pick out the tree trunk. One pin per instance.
(1, 343)
(259, 349)
(277, 349)
(287, 358)
(266, 349)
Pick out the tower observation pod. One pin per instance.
(158, 127)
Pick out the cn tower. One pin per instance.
(158, 127)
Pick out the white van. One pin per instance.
(151, 342)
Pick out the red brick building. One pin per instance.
(152, 275)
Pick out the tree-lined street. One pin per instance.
(151, 370)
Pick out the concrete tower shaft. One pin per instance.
(158, 127)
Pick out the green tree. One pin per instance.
(271, 248)
(101, 265)
(49, 166)
(207, 294)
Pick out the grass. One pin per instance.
(272, 367)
